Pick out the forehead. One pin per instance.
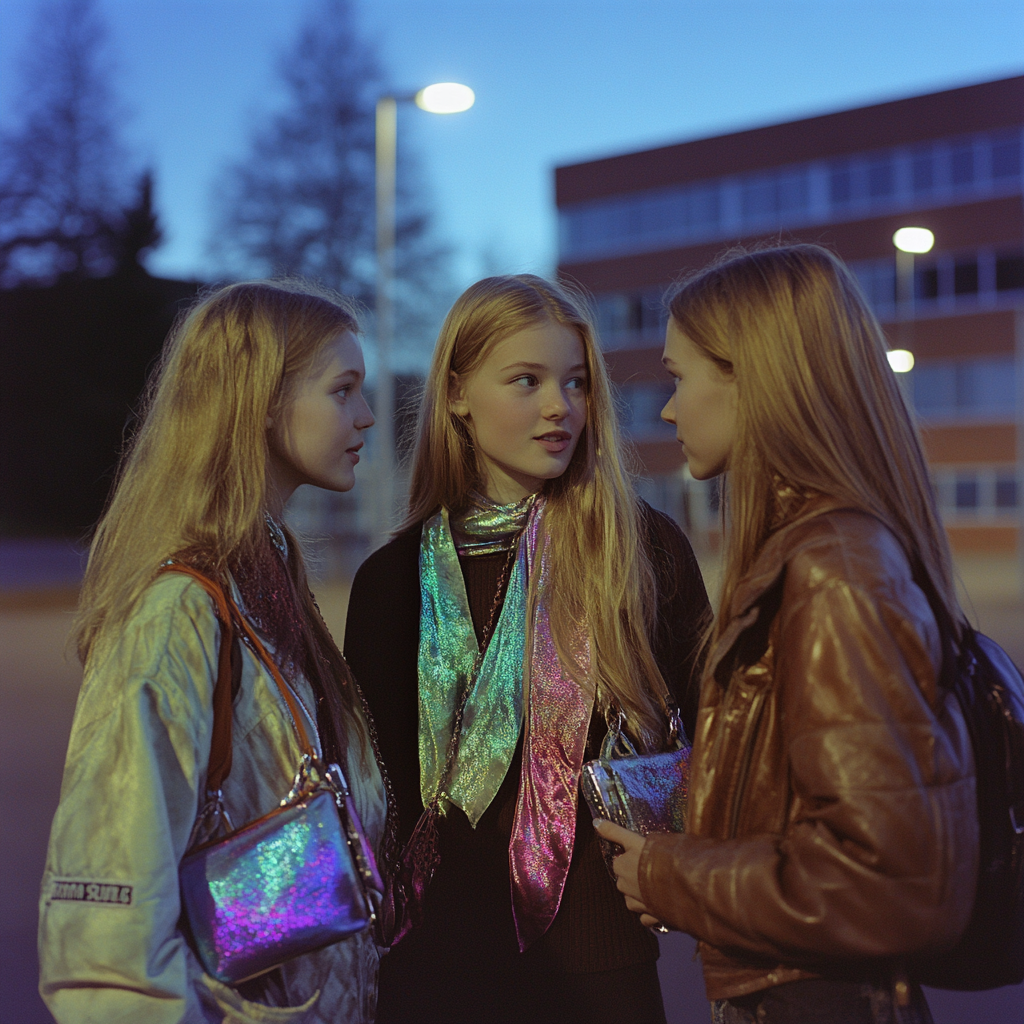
(678, 347)
(340, 354)
(547, 343)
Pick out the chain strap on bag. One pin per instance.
(644, 793)
(296, 879)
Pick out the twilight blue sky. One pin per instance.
(557, 81)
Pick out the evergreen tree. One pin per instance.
(63, 177)
(302, 201)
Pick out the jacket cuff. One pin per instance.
(655, 876)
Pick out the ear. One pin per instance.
(457, 396)
(270, 422)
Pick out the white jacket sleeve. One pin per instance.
(109, 946)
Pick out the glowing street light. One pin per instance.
(909, 242)
(914, 240)
(442, 98)
(900, 360)
(445, 98)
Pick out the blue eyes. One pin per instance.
(528, 380)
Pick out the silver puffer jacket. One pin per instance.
(109, 945)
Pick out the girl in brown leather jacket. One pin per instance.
(832, 828)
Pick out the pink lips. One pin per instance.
(554, 441)
(353, 452)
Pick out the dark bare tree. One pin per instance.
(64, 178)
(302, 200)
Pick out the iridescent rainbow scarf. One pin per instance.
(520, 668)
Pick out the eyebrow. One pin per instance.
(346, 375)
(540, 366)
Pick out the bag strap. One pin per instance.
(228, 615)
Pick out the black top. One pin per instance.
(469, 909)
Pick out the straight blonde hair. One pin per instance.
(602, 575)
(819, 406)
(194, 477)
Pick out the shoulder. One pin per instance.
(847, 565)
(169, 643)
(397, 559)
(844, 546)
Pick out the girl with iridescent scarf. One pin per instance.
(528, 598)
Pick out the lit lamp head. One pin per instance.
(914, 240)
(900, 360)
(445, 98)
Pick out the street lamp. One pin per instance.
(442, 98)
(909, 242)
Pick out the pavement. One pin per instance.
(38, 689)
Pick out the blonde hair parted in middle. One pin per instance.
(602, 575)
(819, 409)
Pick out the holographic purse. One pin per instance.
(642, 792)
(297, 879)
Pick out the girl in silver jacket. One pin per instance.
(259, 391)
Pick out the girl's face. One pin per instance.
(525, 407)
(317, 435)
(703, 405)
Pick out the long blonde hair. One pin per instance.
(603, 575)
(194, 477)
(819, 407)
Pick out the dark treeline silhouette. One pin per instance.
(73, 362)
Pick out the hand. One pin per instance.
(627, 867)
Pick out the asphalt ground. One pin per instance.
(38, 688)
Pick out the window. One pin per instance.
(841, 184)
(928, 283)
(965, 278)
(965, 388)
(1006, 162)
(961, 165)
(922, 171)
(1006, 491)
(1009, 272)
(966, 492)
(881, 178)
(934, 388)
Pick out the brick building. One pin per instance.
(949, 161)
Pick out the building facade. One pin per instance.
(948, 161)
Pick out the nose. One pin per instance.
(364, 419)
(556, 405)
(668, 414)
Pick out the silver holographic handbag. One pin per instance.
(642, 792)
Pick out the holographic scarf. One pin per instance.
(520, 668)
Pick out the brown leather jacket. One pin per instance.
(832, 821)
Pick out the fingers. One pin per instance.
(617, 834)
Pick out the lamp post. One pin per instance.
(908, 242)
(443, 98)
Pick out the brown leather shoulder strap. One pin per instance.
(220, 745)
(229, 616)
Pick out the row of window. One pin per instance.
(975, 389)
(943, 390)
(983, 492)
(944, 279)
(789, 197)
(965, 494)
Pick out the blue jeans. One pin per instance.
(827, 1001)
